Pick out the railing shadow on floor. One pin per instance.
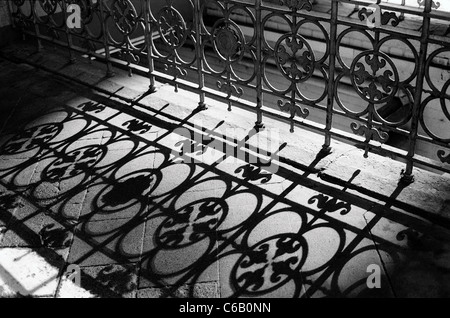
(108, 185)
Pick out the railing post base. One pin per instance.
(259, 127)
(407, 179)
(110, 74)
(326, 150)
(202, 106)
(152, 89)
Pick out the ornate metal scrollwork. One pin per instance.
(127, 54)
(172, 27)
(434, 5)
(229, 88)
(173, 32)
(438, 132)
(125, 16)
(386, 17)
(229, 44)
(49, 6)
(228, 40)
(370, 133)
(445, 158)
(381, 84)
(296, 62)
(175, 71)
(293, 109)
(298, 4)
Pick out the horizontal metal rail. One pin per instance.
(374, 74)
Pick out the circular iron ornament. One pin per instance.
(192, 223)
(445, 110)
(443, 99)
(407, 45)
(49, 6)
(294, 57)
(228, 40)
(435, 55)
(172, 27)
(125, 16)
(270, 264)
(374, 77)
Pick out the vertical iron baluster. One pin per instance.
(149, 43)
(326, 148)
(293, 80)
(36, 26)
(407, 175)
(72, 58)
(199, 53)
(371, 105)
(109, 69)
(259, 91)
(227, 67)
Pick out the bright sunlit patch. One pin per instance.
(34, 273)
(24, 272)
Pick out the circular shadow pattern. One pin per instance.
(31, 139)
(192, 223)
(74, 163)
(269, 264)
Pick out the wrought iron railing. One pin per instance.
(380, 69)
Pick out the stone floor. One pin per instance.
(148, 197)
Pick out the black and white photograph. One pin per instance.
(239, 151)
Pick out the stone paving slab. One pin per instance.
(200, 290)
(18, 278)
(129, 187)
